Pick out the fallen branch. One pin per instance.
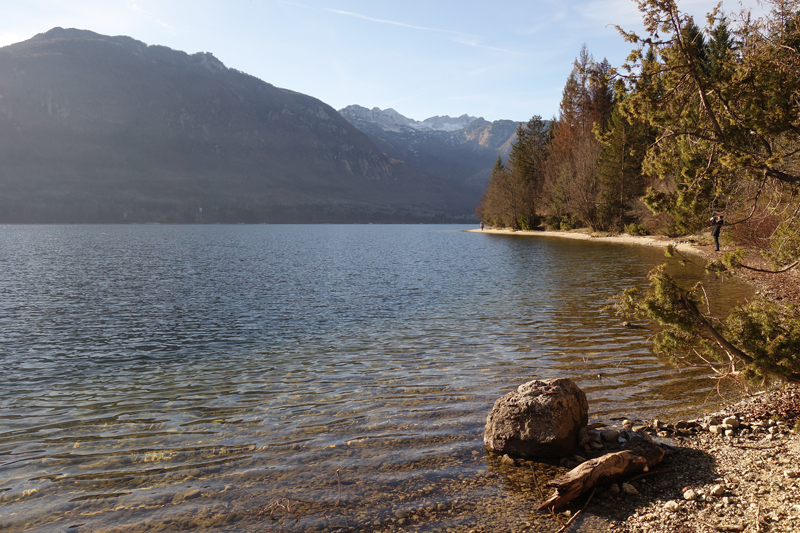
(640, 453)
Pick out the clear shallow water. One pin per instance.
(296, 377)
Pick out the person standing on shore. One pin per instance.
(716, 222)
(481, 225)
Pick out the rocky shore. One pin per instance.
(736, 470)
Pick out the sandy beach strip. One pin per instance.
(681, 245)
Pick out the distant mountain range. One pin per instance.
(462, 150)
(108, 129)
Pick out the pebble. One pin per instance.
(730, 422)
(690, 495)
(673, 506)
(189, 494)
(629, 489)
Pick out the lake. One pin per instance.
(301, 377)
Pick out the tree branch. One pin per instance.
(721, 340)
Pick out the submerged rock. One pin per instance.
(541, 418)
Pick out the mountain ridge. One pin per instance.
(110, 129)
(461, 150)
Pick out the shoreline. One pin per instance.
(746, 479)
(784, 288)
(687, 244)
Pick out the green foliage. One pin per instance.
(619, 166)
(569, 223)
(510, 200)
(770, 334)
(728, 262)
(757, 341)
(724, 103)
(636, 229)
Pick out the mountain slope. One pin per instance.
(461, 150)
(108, 129)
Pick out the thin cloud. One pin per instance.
(470, 39)
(133, 5)
(467, 39)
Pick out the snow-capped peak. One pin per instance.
(391, 120)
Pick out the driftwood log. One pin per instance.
(639, 453)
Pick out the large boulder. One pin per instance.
(542, 418)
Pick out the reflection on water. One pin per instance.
(298, 377)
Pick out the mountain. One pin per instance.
(461, 150)
(108, 129)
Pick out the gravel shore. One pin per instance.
(736, 470)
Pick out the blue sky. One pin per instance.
(499, 59)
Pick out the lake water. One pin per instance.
(296, 378)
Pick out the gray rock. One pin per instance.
(690, 495)
(718, 490)
(540, 418)
(609, 435)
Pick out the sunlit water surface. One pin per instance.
(252, 378)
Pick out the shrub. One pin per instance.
(635, 229)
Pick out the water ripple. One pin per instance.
(147, 365)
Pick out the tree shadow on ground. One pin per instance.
(681, 468)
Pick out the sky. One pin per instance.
(496, 59)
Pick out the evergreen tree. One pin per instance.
(510, 199)
(620, 165)
(725, 108)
